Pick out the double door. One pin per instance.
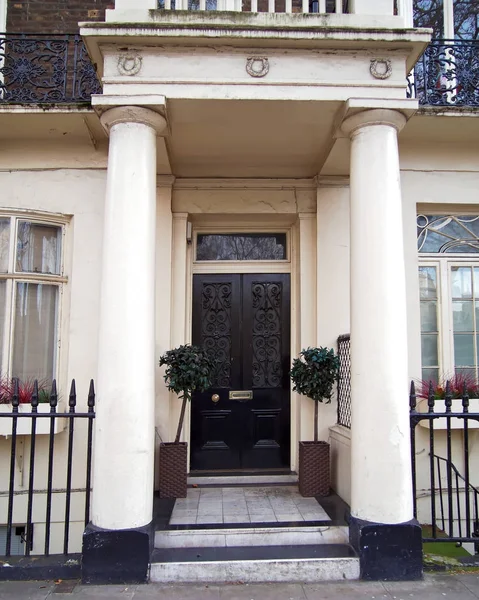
(243, 420)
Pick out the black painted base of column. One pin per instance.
(387, 552)
(116, 556)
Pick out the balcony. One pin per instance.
(46, 69)
(56, 70)
(447, 74)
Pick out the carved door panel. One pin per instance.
(244, 322)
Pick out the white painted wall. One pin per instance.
(79, 194)
(435, 175)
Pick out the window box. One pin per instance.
(24, 424)
(440, 408)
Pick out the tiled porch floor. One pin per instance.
(245, 505)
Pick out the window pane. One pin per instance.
(248, 246)
(430, 13)
(447, 234)
(38, 248)
(468, 374)
(428, 316)
(466, 19)
(462, 316)
(461, 282)
(34, 340)
(4, 244)
(429, 350)
(427, 283)
(463, 350)
(430, 375)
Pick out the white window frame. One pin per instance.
(448, 15)
(444, 264)
(3, 16)
(237, 266)
(12, 277)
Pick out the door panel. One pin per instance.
(244, 322)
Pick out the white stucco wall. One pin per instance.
(79, 195)
(435, 175)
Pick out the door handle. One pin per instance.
(215, 398)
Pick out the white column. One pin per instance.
(124, 425)
(163, 301)
(405, 10)
(381, 489)
(307, 286)
(178, 309)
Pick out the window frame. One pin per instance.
(3, 16)
(12, 277)
(444, 264)
(234, 264)
(448, 20)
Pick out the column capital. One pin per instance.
(377, 116)
(133, 114)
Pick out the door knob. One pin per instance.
(215, 398)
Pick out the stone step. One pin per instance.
(257, 564)
(251, 536)
(241, 480)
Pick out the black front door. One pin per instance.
(243, 421)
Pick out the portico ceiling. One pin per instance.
(232, 138)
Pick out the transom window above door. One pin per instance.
(241, 246)
(448, 247)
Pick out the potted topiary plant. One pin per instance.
(188, 369)
(314, 374)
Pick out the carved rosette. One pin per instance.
(381, 68)
(130, 64)
(257, 66)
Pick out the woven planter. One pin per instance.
(173, 465)
(314, 471)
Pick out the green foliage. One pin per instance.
(188, 369)
(315, 372)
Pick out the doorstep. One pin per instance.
(272, 564)
(259, 533)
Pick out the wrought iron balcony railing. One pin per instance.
(45, 69)
(447, 74)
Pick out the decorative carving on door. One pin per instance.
(216, 329)
(267, 368)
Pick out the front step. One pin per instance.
(255, 564)
(257, 536)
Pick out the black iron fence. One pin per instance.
(447, 74)
(344, 381)
(36, 69)
(453, 499)
(28, 419)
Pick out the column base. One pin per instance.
(116, 556)
(387, 552)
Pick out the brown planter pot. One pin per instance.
(314, 470)
(173, 465)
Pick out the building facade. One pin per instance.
(255, 178)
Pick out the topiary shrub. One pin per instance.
(188, 369)
(314, 374)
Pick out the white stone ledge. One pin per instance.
(341, 434)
